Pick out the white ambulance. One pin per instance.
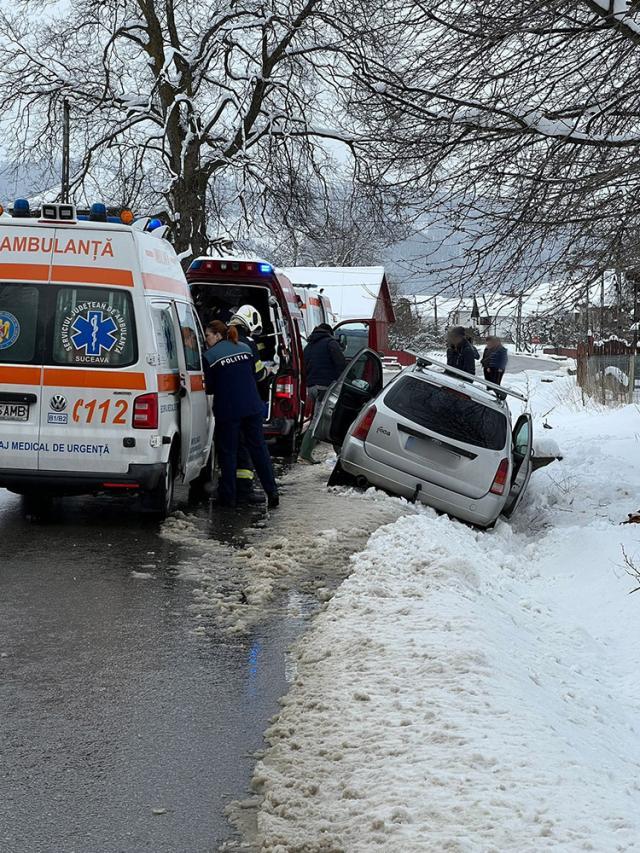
(101, 370)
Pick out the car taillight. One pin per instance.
(362, 430)
(285, 387)
(145, 411)
(500, 480)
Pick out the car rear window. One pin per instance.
(448, 413)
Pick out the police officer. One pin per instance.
(238, 411)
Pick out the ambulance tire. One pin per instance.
(200, 487)
(36, 506)
(161, 497)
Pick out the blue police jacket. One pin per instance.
(230, 377)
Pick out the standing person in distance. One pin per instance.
(459, 351)
(237, 407)
(324, 361)
(494, 360)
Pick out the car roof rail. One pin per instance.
(425, 360)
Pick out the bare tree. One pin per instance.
(169, 96)
(331, 223)
(516, 125)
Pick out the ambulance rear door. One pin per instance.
(25, 260)
(94, 366)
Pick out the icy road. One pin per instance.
(139, 667)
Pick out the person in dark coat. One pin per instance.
(494, 360)
(460, 352)
(324, 361)
(238, 411)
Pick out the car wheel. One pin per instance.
(200, 487)
(340, 477)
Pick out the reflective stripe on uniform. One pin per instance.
(259, 366)
(244, 474)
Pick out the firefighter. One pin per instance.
(248, 322)
(238, 411)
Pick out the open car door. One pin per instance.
(359, 383)
(522, 462)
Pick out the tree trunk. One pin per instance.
(187, 203)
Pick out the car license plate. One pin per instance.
(14, 412)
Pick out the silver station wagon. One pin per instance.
(433, 434)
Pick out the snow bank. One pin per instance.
(472, 691)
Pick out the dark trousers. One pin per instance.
(493, 375)
(228, 433)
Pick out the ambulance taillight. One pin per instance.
(145, 411)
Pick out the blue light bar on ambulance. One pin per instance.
(98, 212)
(266, 268)
(20, 207)
(152, 224)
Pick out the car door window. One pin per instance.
(352, 337)
(522, 440)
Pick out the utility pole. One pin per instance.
(588, 329)
(602, 308)
(519, 325)
(66, 121)
(435, 313)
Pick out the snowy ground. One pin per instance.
(469, 691)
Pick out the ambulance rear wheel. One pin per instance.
(162, 495)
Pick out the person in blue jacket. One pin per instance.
(460, 352)
(237, 407)
(494, 360)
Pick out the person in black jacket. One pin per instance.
(494, 360)
(324, 361)
(460, 352)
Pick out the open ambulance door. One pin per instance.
(196, 418)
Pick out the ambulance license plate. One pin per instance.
(14, 412)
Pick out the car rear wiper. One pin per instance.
(459, 451)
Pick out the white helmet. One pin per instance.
(249, 317)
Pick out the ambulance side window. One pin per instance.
(18, 323)
(190, 340)
(165, 335)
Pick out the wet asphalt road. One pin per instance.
(111, 705)
(518, 363)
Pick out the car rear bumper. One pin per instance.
(137, 478)
(483, 512)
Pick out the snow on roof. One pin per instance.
(547, 298)
(353, 291)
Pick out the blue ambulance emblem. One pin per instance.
(94, 333)
(9, 329)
